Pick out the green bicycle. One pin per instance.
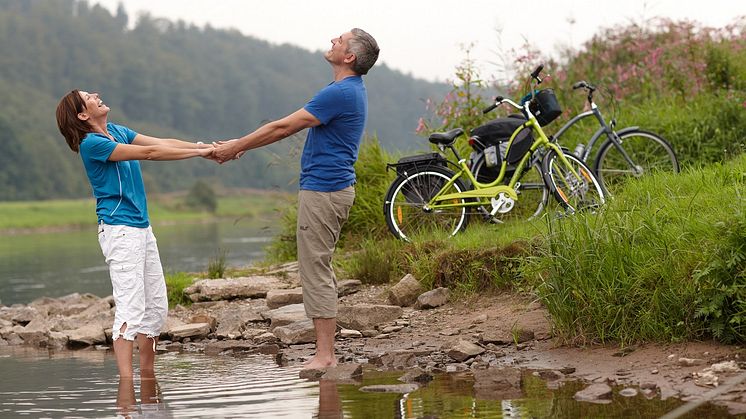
(428, 197)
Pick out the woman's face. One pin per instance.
(94, 106)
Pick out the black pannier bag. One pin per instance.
(497, 131)
(420, 192)
(545, 106)
(407, 164)
(521, 143)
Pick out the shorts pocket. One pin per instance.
(121, 248)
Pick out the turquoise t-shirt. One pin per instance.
(117, 185)
(331, 149)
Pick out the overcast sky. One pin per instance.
(426, 37)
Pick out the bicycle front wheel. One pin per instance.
(575, 190)
(532, 192)
(649, 152)
(407, 213)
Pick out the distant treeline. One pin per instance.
(166, 78)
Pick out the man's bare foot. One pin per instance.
(317, 363)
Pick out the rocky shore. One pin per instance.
(398, 327)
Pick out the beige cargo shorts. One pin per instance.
(321, 216)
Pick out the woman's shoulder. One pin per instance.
(120, 132)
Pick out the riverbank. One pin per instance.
(397, 327)
(26, 217)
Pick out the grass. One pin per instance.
(175, 285)
(73, 213)
(638, 270)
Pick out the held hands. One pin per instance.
(206, 150)
(226, 150)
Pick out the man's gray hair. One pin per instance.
(365, 49)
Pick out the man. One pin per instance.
(336, 117)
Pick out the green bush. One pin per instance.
(653, 265)
(202, 196)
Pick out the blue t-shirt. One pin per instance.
(331, 148)
(117, 185)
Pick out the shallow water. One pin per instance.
(84, 384)
(56, 264)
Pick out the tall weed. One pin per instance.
(635, 271)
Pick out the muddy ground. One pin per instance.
(682, 370)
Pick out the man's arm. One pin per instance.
(267, 134)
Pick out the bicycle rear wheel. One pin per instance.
(407, 214)
(649, 152)
(532, 191)
(574, 193)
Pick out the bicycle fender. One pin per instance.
(627, 129)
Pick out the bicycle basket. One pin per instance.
(545, 107)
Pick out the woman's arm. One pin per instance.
(146, 140)
(159, 152)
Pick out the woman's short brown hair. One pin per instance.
(71, 127)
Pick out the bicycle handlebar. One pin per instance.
(583, 84)
(498, 101)
(536, 72)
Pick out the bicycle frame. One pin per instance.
(484, 191)
(605, 129)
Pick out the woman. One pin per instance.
(110, 155)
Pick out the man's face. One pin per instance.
(339, 53)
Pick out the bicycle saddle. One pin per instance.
(445, 138)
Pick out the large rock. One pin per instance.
(232, 321)
(229, 289)
(398, 359)
(284, 297)
(89, 334)
(344, 373)
(367, 316)
(21, 315)
(348, 286)
(295, 333)
(405, 292)
(191, 330)
(285, 315)
(464, 350)
(36, 333)
(433, 298)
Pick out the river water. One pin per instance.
(57, 264)
(71, 384)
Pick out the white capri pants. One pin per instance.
(137, 280)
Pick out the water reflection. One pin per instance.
(84, 384)
(57, 264)
(330, 406)
(151, 399)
